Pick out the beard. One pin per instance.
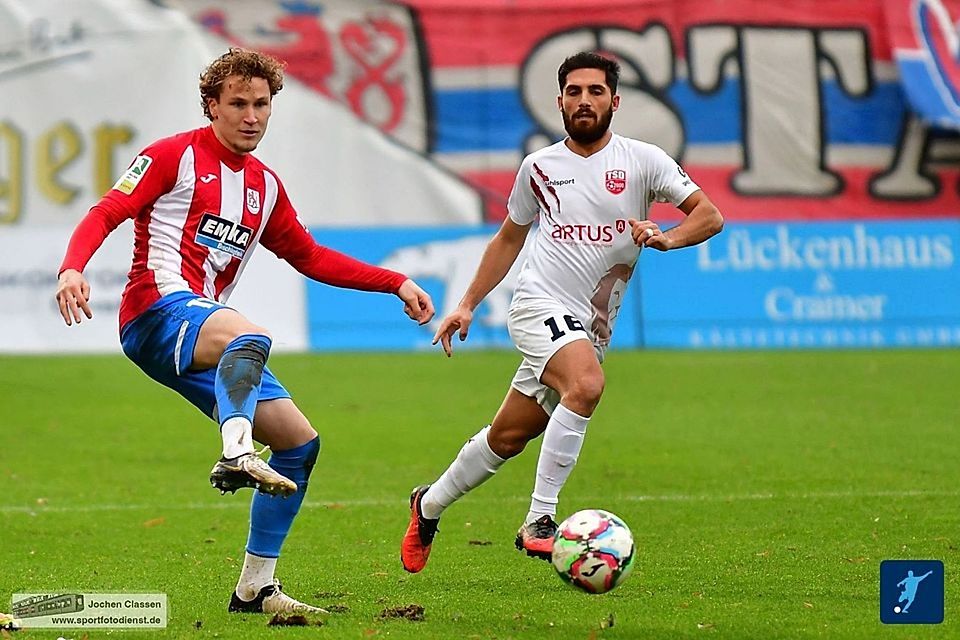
(585, 132)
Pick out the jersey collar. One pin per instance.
(596, 154)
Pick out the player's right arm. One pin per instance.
(522, 210)
(498, 257)
(151, 174)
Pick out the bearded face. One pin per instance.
(587, 105)
(586, 127)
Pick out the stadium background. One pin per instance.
(789, 423)
(822, 129)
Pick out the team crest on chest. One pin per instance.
(616, 181)
(253, 201)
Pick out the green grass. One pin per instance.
(763, 489)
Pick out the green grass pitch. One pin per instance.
(763, 490)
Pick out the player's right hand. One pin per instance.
(460, 321)
(416, 302)
(73, 294)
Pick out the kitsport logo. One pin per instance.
(602, 234)
(561, 182)
(224, 235)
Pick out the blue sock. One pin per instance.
(237, 384)
(271, 516)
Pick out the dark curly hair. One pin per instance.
(238, 62)
(590, 60)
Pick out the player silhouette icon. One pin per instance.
(909, 585)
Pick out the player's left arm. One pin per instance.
(290, 240)
(702, 221)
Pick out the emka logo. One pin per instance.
(616, 181)
(224, 235)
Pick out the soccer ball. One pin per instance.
(593, 550)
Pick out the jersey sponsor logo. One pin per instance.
(621, 224)
(207, 179)
(253, 201)
(224, 235)
(561, 182)
(586, 233)
(132, 177)
(616, 181)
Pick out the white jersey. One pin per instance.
(583, 254)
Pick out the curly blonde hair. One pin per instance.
(239, 62)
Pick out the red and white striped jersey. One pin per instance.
(199, 212)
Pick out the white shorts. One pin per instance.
(539, 328)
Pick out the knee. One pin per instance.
(300, 457)
(313, 439)
(506, 443)
(313, 450)
(584, 395)
(250, 331)
(260, 331)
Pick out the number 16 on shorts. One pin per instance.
(556, 332)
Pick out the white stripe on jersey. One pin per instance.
(269, 201)
(165, 229)
(231, 208)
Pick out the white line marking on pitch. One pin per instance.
(327, 503)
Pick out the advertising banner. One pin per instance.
(925, 46)
(880, 284)
(271, 293)
(781, 111)
(97, 81)
(829, 285)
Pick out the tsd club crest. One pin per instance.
(616, 181)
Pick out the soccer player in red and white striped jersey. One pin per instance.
(201, 203)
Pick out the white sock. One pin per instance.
(237, 434)
(562, 440)
(475, 463)
(257, 573)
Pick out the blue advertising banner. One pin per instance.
(441, 259)
(880, 284)
(829, 285)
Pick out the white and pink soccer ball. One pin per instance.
(593, 550)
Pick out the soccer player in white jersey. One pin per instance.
(201, 203)
(591, 193)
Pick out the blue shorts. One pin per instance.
(161, 341)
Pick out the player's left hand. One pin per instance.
(646, 233)
(416, 302)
